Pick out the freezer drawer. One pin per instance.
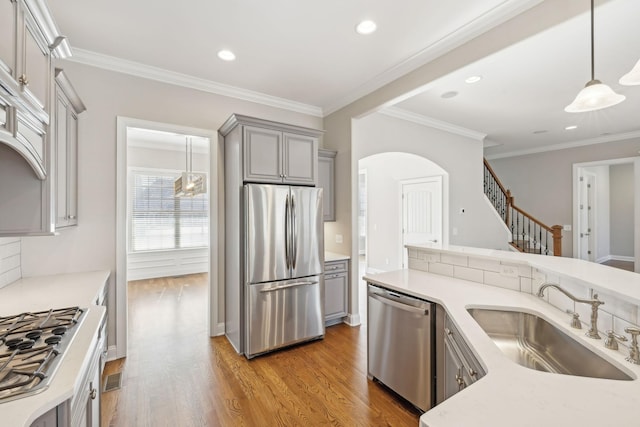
(283, 313)
(400, 345)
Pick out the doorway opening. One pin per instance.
(164, 228)
(606, 196)
(383, 213)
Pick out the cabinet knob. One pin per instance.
(92, 392)
(23, 80)
(72, 217)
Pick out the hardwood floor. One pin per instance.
(624, 265)
(175, 375)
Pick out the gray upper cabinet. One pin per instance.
(68, 107)
(275, 153)
(30, 41)
(326, 181)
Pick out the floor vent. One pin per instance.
(113, 382)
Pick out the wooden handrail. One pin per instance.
(495, 177)
(554, 230)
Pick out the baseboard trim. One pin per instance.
(615, 258)
(352, 320)
(218, 330)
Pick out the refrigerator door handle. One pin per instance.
(294, 233)
(289, 285)
(286, 234)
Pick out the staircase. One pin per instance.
(527, 233)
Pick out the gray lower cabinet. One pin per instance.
(336, 287)
(326, 181)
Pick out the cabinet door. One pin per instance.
(72, 168)
(326, 168)
(8, 19)
(61, 161)
(453, 371)
(35, 75)
(300, 159)
(262, 155)
(335, 296)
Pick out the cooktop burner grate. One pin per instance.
(31, 346)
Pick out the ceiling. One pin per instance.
(308, 55)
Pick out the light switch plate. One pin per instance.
(509, 271)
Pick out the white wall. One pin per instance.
(10, 250)
(621, 216)
(459, 156)
(92, 244)
(384, 174)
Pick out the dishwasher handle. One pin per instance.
(406, 307)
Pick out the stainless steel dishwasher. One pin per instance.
(400, 349)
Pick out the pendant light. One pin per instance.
(189, 184)
(632, 78)
(595, 95)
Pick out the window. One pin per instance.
(160, 221)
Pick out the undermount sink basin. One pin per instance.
(534, 343)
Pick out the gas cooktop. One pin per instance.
(31, 347)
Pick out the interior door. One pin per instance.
(421, 213)
(587, 228)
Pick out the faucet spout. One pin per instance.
(595, 303)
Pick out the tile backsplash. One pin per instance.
(10, 269)
(616, 314)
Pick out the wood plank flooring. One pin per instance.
(175, 375)
(624, 265)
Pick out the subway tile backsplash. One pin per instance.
(10, 267)
(615, 314)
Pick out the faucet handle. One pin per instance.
(612, 340)
(575, 320)
(634, 353)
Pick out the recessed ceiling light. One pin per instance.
(572, 127)
(366, 27)
(537, 132)
(226, 55)
(449, 94)
(473, 79)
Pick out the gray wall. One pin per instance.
(542, 182)
(621, 214)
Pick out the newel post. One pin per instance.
(557, 240)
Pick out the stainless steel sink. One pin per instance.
(534, 343)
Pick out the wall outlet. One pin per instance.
(566, 227)
(509, 271)
(454, 231)
(338, 238)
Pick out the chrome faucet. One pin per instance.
(595, 303)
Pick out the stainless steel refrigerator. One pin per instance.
(283, 260)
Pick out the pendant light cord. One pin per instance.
(593, 77)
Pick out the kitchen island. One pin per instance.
(84, 290)
(509, 394)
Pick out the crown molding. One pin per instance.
(490, 19)
(574, 144)
(409, 116)
(137, 69)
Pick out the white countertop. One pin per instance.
(42, 293)
(509, 394)
(332, 256)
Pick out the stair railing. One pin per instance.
(528, 234)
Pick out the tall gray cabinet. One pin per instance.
(259, 151)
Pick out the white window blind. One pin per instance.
(161, 221)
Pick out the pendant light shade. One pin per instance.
(632, 78)
(595, 95)
(189, 183)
